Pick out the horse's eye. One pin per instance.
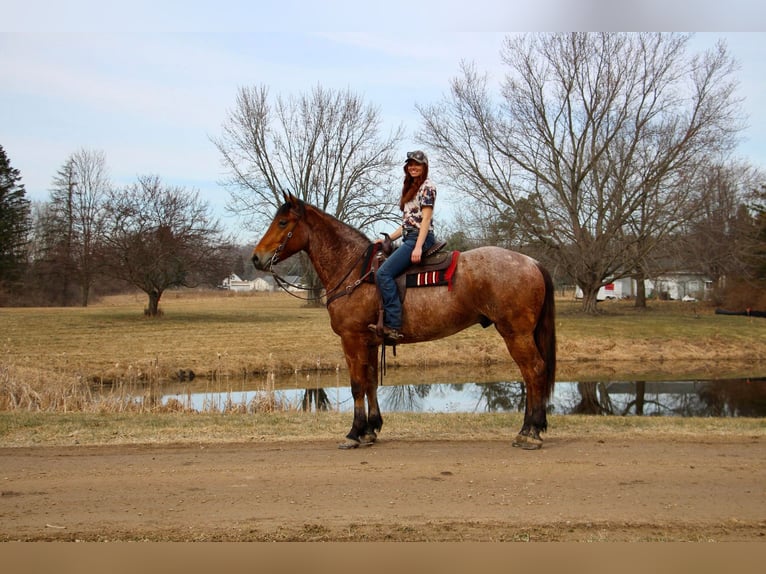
(282, 223)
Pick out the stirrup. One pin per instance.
(388, 332)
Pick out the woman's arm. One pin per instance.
(425, 225)
(394, 235)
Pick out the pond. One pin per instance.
(720, 397)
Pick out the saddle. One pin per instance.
(437, 267)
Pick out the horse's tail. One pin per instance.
(545, 333)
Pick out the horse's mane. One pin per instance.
(348, 231)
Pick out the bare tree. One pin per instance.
(75, 221)
(325, 147)
(722, 239)
(160, 236)
(595, 144)
(757, 260)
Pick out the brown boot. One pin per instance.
(389, 333)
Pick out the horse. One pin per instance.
(491, 286)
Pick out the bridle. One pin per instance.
(336, 292)
(331, 294)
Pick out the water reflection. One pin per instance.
(316, 399)
(708, 398)
(717, 398)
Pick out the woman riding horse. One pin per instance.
(491, 286)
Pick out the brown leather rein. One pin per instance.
(331, 294)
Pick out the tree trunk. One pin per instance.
(640, 292)
(85, 291)
(315, 299)
(640, 397)
(589, 403)
(316, 289)
(153, 310)
(590, 299)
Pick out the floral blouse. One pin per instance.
(426, 197)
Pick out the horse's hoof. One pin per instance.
(368, 439)
(532, 444)
(527, 442)
(349, 444)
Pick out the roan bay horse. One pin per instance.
(491, 285)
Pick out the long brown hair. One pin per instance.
(411, 185)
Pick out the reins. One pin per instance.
(371, 253)
(330, 294)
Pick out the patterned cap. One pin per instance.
(417, 156)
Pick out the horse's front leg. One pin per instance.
(361, 359)
(374, 418)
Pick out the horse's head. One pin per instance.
(283, 238)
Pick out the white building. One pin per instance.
(679, 284)
(675, 285)
(234, 283)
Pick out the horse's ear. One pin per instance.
(298, 203)
(286, 197)
(295, 202)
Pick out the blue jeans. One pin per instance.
(395, 265)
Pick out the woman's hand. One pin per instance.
(417, 253)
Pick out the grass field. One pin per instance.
(63, 429)
(52, 357)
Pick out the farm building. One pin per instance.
(676, 285)
(679, 285)
(262, 284)
(617, 289)
(234, 283)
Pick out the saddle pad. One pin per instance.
(434, 277)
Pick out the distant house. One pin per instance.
(678, 285)
(674, 285)
(262, 284)
(617, 289)
(234, 283)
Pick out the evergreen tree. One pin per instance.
(14, 222)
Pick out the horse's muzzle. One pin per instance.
(261, 261)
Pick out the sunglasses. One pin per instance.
(417, 156)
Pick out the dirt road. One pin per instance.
(572, 490)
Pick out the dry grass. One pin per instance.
(208, 335)
(54, 359)
(53, 429)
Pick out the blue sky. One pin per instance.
(150, 83)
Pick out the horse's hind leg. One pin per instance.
(524, 352)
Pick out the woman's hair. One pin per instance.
(411, 185)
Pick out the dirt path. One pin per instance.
(574, 489)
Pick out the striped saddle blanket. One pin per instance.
(437, 268)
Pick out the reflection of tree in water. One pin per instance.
(503, 396)
(727, 398)
(494, 396)
(404, 397)
(738, 398)
(316, 397)
(594, 399)
(735, 398)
